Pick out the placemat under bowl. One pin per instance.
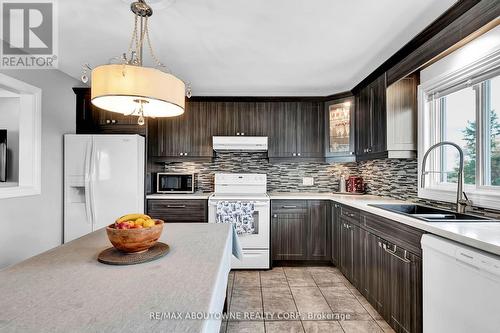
(112, 256)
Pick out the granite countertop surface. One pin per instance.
(480, 235)
(180, 196)
(66, 290)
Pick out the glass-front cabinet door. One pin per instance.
(340, 130)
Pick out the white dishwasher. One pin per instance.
(461, 288)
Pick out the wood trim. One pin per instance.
(464, 41)
(251, 99)
(445, 19)
(372, 156)
(473, 20)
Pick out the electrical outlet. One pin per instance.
(307, 181)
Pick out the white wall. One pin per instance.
(31, 225)
(9, 120)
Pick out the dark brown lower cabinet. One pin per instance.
(374, 275)
(300, 230)
(345, 257)
(289, 235)
(319, 230)
(403, 272)
(379, 257)
(336, 230)
(351, 251)
(184, 211)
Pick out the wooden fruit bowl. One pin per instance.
(134, 240)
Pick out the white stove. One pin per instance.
(249, 190)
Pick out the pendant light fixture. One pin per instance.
(130, 88)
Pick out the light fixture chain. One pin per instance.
(144, 27)
(153, 55)
(138, 44)
(132, 38)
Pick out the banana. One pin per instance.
(132, 217)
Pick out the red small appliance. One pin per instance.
(355, 184)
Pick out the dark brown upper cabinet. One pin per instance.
(310, 130)
(371, 120)
(339, 130)
(93, 120)
(283, 137)
(183, 137)
(241, 119)
(386, 119)
(296, 130)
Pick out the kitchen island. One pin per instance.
(67, 290)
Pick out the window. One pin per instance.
(462, 107)
(458, 118)
(492, 132)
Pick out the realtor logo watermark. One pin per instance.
(29, 34)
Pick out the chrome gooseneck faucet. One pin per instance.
(462, 200)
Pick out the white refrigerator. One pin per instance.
(103, 180)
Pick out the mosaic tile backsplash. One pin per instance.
(398, 179)
(394, 178)
(281, 177)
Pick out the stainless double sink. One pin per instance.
(431, 214)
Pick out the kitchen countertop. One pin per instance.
(481, 235)
(180, 196)
(66, 290)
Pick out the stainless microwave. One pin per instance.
(174, 182)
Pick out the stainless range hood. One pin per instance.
(240, 143)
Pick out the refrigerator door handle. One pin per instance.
(87, 161)
(91, 183)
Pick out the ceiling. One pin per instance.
(251, 48)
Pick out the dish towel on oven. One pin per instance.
(240, 214)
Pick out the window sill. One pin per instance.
(479, 198)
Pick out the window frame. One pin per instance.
(30, 138)
(430, 130)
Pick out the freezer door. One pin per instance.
(117, 177)
(77, 210)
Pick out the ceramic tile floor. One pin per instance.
(297, 300)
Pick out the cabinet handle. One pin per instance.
(275, 215)
(393, 253)
(113, 121)
(288, 206)
(176, 206)
(242, 133)
(294, 154)
(185, 154)
(108, 121)
(238, 133)
(298, 154)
